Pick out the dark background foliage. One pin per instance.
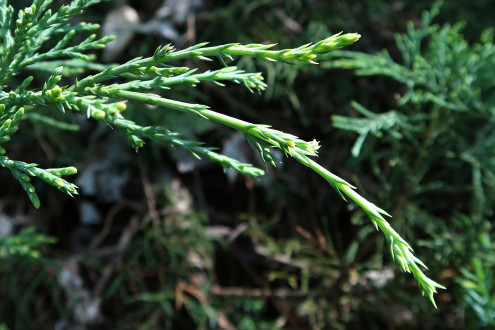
(158, 239)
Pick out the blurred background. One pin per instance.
(161, 240)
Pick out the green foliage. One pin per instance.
(479, 293)
(439, 140)
(103, 96)
(25, 243)
(27, 281)
(89, 97)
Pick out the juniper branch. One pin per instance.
(299, 149)
(91, 97)
(304, 54)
